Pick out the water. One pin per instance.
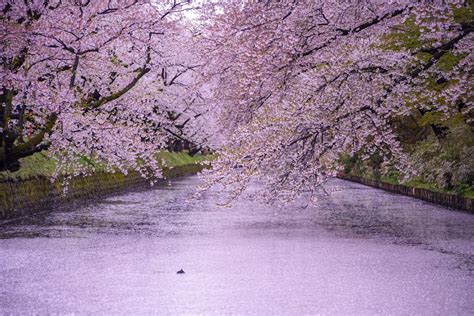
(361, 251)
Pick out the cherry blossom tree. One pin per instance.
(301, 84)
(285, 88)
(103, 80)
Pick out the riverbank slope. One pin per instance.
(31, 191)
(453, 201)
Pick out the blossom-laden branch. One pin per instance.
(302, 85)
(83, 79)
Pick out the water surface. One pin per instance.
(360, 251)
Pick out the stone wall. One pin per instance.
(445, 199)
(20, 198)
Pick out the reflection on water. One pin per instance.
(359, 251)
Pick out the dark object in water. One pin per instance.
(180, 272)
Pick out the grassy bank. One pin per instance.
(452, 201)
(29, 190)
(461, 190)
(40, 165)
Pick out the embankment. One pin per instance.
(28, 196)
(449, 200)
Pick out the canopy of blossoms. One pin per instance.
(281, 90)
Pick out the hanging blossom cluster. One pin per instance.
(301, 84)
(94, 80)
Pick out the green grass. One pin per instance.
(415, 183)
(462, 190)
(390, 179)
(40, 165)
(36, 165)
(173, 159)
(469, 194)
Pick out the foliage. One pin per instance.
(303, 84)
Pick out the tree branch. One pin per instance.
(143, 71)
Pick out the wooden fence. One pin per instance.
(449, 200)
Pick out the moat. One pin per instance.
(360, 250)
